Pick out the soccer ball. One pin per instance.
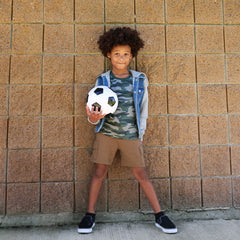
(104, 98)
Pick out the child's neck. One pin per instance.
(120, 74)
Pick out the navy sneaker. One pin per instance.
(87, 224)
(163, 222)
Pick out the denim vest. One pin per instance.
(140, 98)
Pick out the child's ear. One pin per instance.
(108, 55)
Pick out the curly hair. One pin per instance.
(120, 36)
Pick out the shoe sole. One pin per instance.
(165, 230)
(86, 230)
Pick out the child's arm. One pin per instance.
(94, 116)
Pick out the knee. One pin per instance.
(100, 171)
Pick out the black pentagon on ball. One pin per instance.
(95, 106)
(111, 101)
(98, 91)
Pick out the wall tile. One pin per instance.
(5, 11)
(215, 161)
(26, 69)
(120, 199)
(3, 130)
(155, 7)
(235, 160)
(184, 161)
(162, 188)
(179, 11)
(116, 171)
(57, 197)
(236, 192)
(153, 37)
(81, 197)
(2, 198)
(186, 193)
(233, 92)
(157, 100)
(24, 132)
(87, 37)
(84, 132)
(4, 69)
(119, 11)
(182, 99)
(208, 12)
(85, 75)
(212, 99)
(27, 38)
(2, 167)
(57, 100)
(25, 100)
(180, 39)
(23, 166)
(183, 130)
(232, 39)
(27, 11)
(59, 38)
(57, 132)
(156, 132)
(231, 12)
(157, 162)
(3, 101)
(57, 165)
(89, 11)
(213, 129)
(181, 69)
(5, 31)
(210, 69)
(83, 164)
(234, 129)
(209, 39)
(233, 68)
(58, 11)
(217, 192)
(58, 69)
(153, 66)
(81, 93)
(18, 203)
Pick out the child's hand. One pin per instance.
(94, 116)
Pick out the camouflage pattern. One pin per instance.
(122, 124)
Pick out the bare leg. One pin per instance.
(147, 187)
(100, 173)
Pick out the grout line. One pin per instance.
(8, 116)
(74, 114)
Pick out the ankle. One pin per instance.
(91, 213)
(159, 214)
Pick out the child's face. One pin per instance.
(120, 57)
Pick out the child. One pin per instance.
(124, 129)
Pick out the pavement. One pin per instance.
(218, 229)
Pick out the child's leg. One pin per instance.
(99, 174)
(147, 187)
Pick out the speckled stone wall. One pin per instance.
(49, 60)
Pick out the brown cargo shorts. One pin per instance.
(105, 149)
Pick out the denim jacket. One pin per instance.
(140, 97)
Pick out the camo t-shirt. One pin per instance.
(122, 123)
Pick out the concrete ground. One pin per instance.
(187, 230)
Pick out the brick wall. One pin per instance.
(48, 62)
